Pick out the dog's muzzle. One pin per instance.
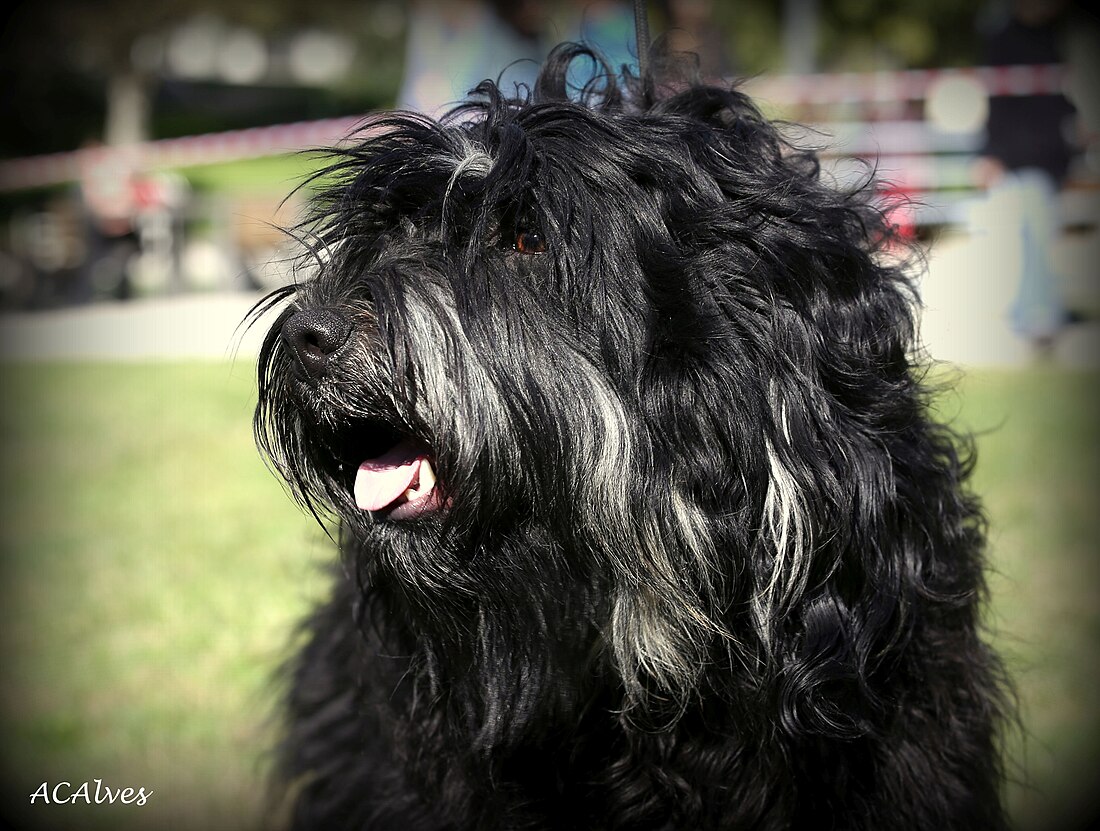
(393, 482)
(313, 336)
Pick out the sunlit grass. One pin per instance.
(153, 570)
(280, 173)
(1039, 474)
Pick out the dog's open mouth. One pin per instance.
(399, 484)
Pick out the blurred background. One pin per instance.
(152, 567)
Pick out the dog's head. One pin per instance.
(626, 339)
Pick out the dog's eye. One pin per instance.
(529, 242)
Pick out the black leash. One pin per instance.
(641, 36)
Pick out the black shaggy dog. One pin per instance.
(645, 522)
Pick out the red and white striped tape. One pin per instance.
(872, 87)
(907, 85)
(232, 145)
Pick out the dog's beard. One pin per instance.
(543, 468)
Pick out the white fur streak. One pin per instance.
(644, 639)
(786, 527)
(659, 629)
(693, 526)
(611, 450)
(448, 337)
(474, 160)
(643, 642)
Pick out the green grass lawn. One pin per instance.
(153, 569)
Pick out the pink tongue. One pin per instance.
(380, 482)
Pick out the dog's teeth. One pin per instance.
(425, 481)
(427, 476)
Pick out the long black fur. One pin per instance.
(707, 562)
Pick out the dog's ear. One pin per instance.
(784, 321)
(867, 521)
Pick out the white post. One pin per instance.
(800, 24)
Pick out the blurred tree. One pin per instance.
(80, 69)
(69, 52)
(902, 34)
(851, 35)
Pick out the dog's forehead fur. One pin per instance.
(631, 202)
(557, 158)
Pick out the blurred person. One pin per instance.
(606, 27)
(453, 45)
(1024, 165)
(109, 190)
(160, 202)
(1082, 56)
(691, 29)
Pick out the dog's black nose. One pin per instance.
(313, 335)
